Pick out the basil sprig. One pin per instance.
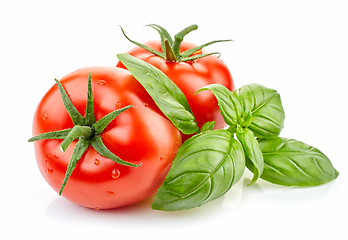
(251, 111)
(278, 160)
(208, 164)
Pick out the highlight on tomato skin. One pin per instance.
(139, 135)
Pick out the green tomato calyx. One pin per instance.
(86, 130)
(171, 47)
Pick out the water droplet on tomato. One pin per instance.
(101, 82)
(115, 173)
(56, 156)
(50, 171)
(45, 115)
(118, 104)
(97, 162)
(146, 104)
(161, 158)
(110, 193)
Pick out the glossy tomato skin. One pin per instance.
(191, 76)
(138, 135)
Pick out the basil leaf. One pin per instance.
(293, 163)
(205, 168)
(168, 97)
(266, 109)
(229, 104)
(207, 126)
(253, 154)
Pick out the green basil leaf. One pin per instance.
(253, 155)
(205, 168)
(266, 109)
(168, 97)
(207, 126)
(229, 104)
(293, 163)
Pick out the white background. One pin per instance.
(297, 47)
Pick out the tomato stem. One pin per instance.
(179, 37)
(76, 132)
(170, 56)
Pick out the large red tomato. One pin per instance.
(139, 135)
(190, 76)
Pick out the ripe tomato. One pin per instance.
(189, 77)
(138, 135)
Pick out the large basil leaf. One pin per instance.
(266, 109)
(205, 168)
(168, 97)
(229, 104)
(253, 154)
(293, 163)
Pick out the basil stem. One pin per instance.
(253, 154)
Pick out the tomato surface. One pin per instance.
(191, 76)
(138, 135)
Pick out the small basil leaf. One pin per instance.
(207, 126)
(266, 109)
(293, 163)
(253, 154)
(168, 97)
(205, 168)
(229, 104)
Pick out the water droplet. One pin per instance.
(56, 156)
(45, 115)
(118, 104)
(50, 171)
(146, 104)
(161, 158)
(101, 82)
(110, 193)
(115, 173)
(97, 162)
(96, 208)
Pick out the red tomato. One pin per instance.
(138, 135)
(191, 76)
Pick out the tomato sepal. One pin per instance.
(51, 135)
(143, 46)
(80, 147)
